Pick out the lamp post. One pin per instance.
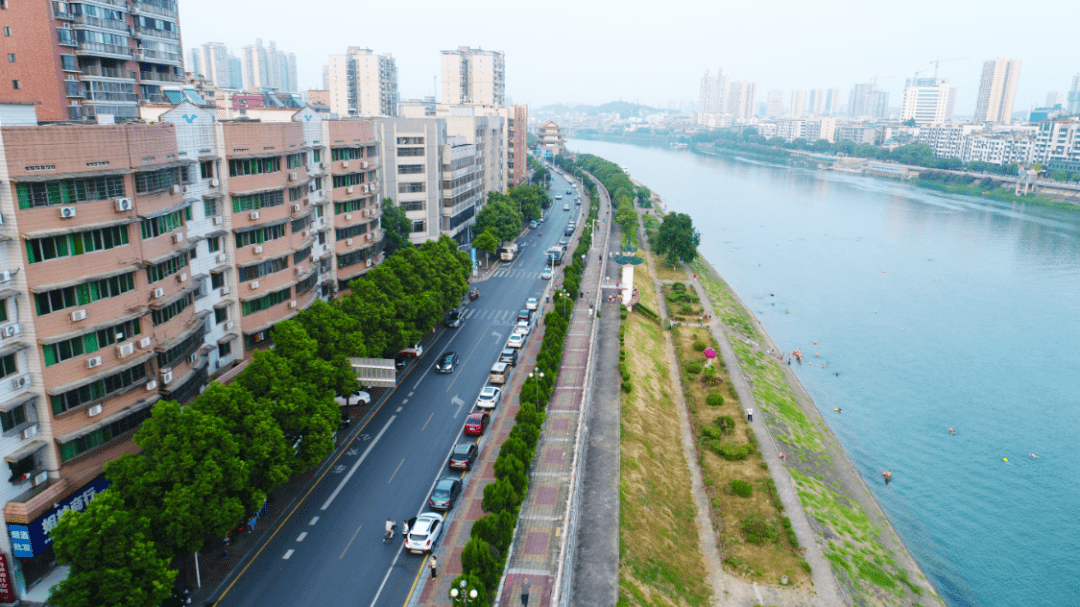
(459, 597)
(541, 376)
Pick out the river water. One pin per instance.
(937, 311)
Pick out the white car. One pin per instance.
(424, 533)
(516, 341)
(531, 303)
(523, 328)
(489, 397)
(566, 207)
(546, 274)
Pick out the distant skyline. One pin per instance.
(581, 53)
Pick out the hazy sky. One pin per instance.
(656, 52)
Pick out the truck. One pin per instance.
(508, 251)
(554, 255)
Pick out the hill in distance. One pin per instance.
(624, 109)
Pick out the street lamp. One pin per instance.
(541, 376)
(459, 597)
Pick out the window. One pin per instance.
(217, 280)
(407, 152)
(166, 268)
(316, 155)
(3, 310)
(294, 161)
(15, 85)
(264, 268)
(10, 419)
(210, 207)
(154, 182)
(418, 226)
(254, 166)
(410, 169)
(351, 259)
(79, 295)
(108, 433)
(318, 183)
(7, 365)
(97, 390)
(341, 181)
(346, 153)
(259, 235)
(79, 243)
(262, 200)
(214, 244)
(301, 255)
(206, 169)
(410, 141)
(306, 285)
(69, 191)
(297, 193)
(348, 206)
(11, 57)
(221, 315)
(89, 342)
(181, 350)
(417, 205)
(351, 231)
(224, 350)
(164, 315)
(163, 224)
(411, 188)
(300, 224)
(7, 32)
(266, 301)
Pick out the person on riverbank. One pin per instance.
(749, 415)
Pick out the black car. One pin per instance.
(525, 315)
(463, 456)
(447, 362)
(569, 231)
(453, 318)
(401, 361)
(508, 356)
(445, 494)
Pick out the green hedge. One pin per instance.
(646, 310)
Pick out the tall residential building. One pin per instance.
(362, 83)
(927, 100)
(741, 99)
(1054, 98)
(80, 60)
(832, 102)
(997, 90)
(1073, 99)
(816, 106)
(869, 101)
(713, 93)
(473, 77)
(214, 62)
(269, 68)
(775, 104)
(798, 103)
(236, 73)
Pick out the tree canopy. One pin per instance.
(501, 214)
(397, 226)
(677, 239)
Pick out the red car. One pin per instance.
(476, 423)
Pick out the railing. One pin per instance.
(159, 76)
(61, 12)
(149, 31)
(98, 47)
(139, 7)
(147, 54)
(111, 24)
(108, 72)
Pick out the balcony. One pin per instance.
(98, 48)
(60, 11)
(143, 54)
(108, 72)
(109, 24)
(156, 33)
(159, 77)
(73, 88)
(138, 8)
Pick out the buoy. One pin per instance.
(1004, 459)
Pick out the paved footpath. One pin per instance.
(535, 551)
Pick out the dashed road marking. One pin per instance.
(314, 520)
(301, 537)
(288, 554)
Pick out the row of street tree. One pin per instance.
(503, 217)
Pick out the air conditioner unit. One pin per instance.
(187, 189)
(93, 362)
(181, 277)
(299, 269)
(292, 304)
(258, 249)
(322, 165)
(178, 237)
(345, 164)
(365, 188)
(194, 357)
(292, 176)
(125, 350)
(176, 188)
(295, 208)
(367, 212)
(78, 315)
(254, 215)
(304, 233)
(254, 285)
(370, 236)
(144, 343)
(363, 164)
(123, 204)
(159, 293)
(166, 377)
(21, 382)
(312, 186)
(151, 385)
(348, 216)
(219, 220)
(348, 242)
(370, 263)
(224, 291)
(214, 183)
(30, 432)
(10, 330)
(220, 258)
(5, 276)
(67, 212)
(229, 325)
(40, 477)
(95, 410)
(348, 190)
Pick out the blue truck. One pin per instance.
(554, 255)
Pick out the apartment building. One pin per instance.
(997, 90)
(268, 68)
(816, 106)
(361, 83)
(213, 61)
(868, 100)
(1058, 141)
(473, 77)
(83, 59)
(861, 134)
(810, 129)
(713, 93)
(946, 140)
(927, 101)
(798, 103)
(742, 97)
(774, 107)
(832, 102)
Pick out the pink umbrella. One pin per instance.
(710, 353)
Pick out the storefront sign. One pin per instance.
(7, 594)
(30, 540)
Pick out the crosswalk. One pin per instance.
(504, 317)
(516, 273)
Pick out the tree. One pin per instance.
(112, 556)
(476, 559)
(502, 214)
(677, 239)
(488, 242)
(909, 122)
(499, 496)
(471, 582)
(397, 226)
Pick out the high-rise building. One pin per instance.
(927, 100)
(869, 101)
(713, 93)
(362, 83)
(832, 102)
(213, 62)
(741, 98)
(798, 103)
(269, 68)
(775, 104)
(236, 72)
(76, 61)
(1073, 99)
(473, 77)
(997, 90)
(816, 107)
(1055, 98)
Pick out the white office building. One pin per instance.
(927, 100)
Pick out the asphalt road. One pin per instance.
(329, 550)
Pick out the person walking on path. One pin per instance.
(525, 593)
(433, 564)
(749, 415)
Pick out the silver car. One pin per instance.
(489, 397)
(424, 533)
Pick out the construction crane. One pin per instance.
(937, 62)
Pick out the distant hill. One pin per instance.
(624, 109)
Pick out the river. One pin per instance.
(937, 311)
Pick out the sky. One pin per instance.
(656, 53)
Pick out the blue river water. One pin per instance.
(937, 311)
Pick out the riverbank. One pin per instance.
(868, 559)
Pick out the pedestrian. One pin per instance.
(525, 593)
(433, 564)
(749, 415)
(782, 456)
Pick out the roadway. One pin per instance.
(328, 550)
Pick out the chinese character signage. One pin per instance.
(31, 540)
(7, 594)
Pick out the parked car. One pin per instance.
(360, 398)
(531, 303)
(508, 356)
(577, 200)
(447, 362)
(499, 372)
(489, 397)
(463, 456)
(453, 318)
(525, 315)
(523, 328)
(546, 274)
(516, 341)
(413, 351)
(533, 224)
(476, 423)
(445, 494)
(424, 533)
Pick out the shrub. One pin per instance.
(627, 387)
(806, 566)
(699, 346)
(622, 315)
(499, 496)
(756, 530)
(741, 488)
(686, 309)
(732, 453)
(792, 538)
(693, 368)
(476, 560)
(648, 312)
(678, 286)
(715, 399)
(725, 423)
(709, 371)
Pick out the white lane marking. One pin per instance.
(288, 554)
(411, 392)
(301, 537)
(404, 401)
(457, 401)
(399, 409)
(387, 576)
(314, 520)
(352, 470)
